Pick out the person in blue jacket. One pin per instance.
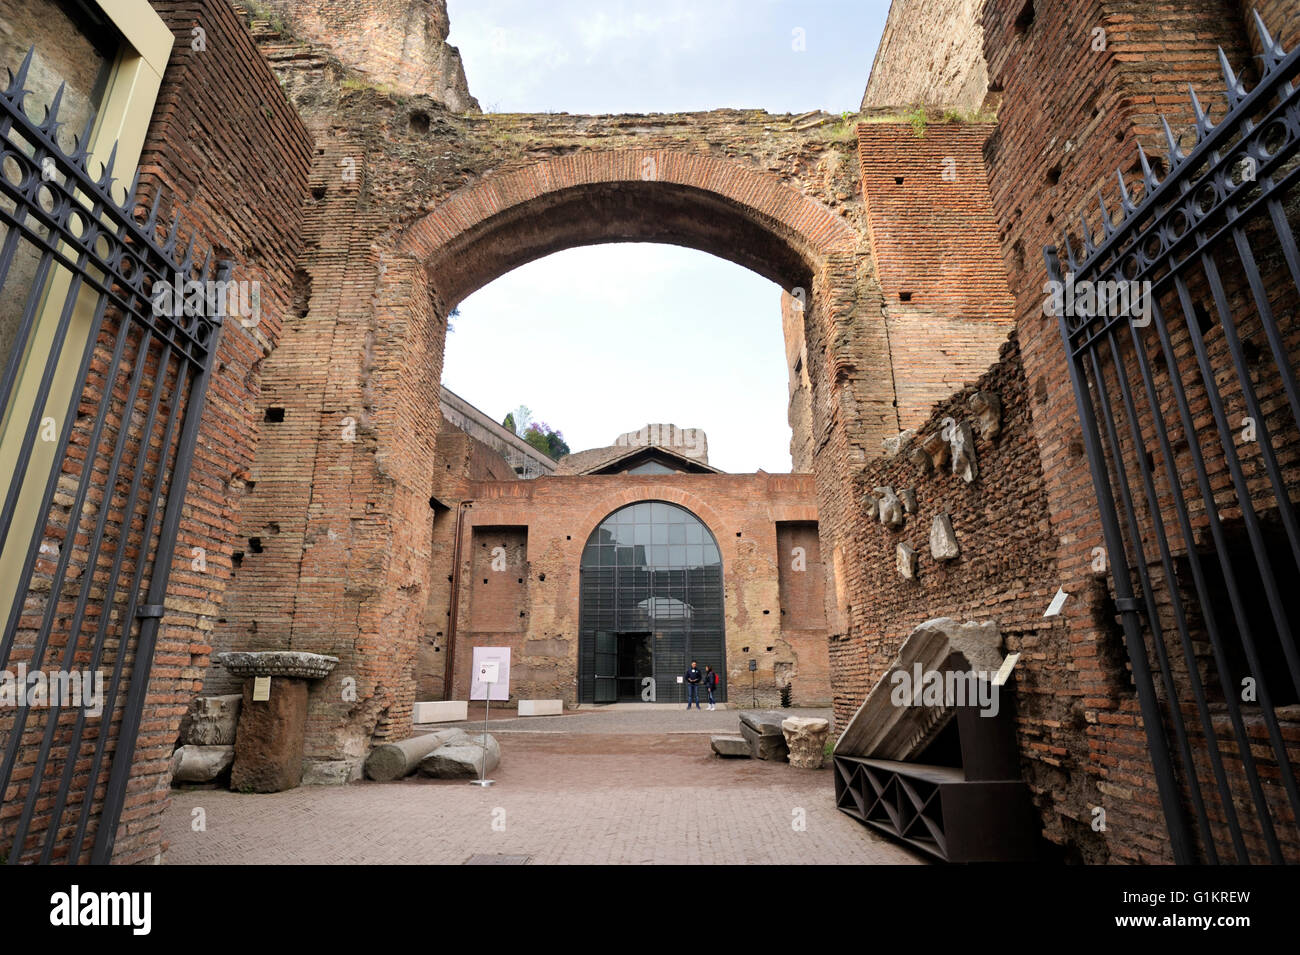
(693, 678)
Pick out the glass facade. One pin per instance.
(651, 579)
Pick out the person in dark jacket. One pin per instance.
(693, 679)
(710, 684)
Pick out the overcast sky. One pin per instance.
(604, 339)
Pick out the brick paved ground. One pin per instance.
(617, 788)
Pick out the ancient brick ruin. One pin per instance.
(342, 514)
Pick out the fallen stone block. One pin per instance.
(462, 757)
(731, 746)
(211, 720)
(396, 760)
(762, 729)
(202, 764)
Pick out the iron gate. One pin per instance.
(1191, 421)
(95, 553)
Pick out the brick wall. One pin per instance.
(539, 619)
(1006, 572)
(1073, 110)
(931, 53)
(398, 44)
(935, 244)
(223, 102)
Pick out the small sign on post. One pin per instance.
(261, 688)
(488, 673)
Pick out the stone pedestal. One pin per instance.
(269, 740)
(806, 739)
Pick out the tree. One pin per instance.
(547, 440)
(519, 420)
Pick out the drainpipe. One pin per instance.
(450, 665)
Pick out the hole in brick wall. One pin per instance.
(521, 580)
(1250, 351)
(248, 486)
(485, 580)
(236, 560)
(737, 533)
(1026, 18)
(541, 576)
(273, 528)
(301, 292)
(766, 612)
(419, 121)
(439, 633)
(898, 180)
(1040, 390)
(255, 545)
(568, 537)
(318, 193)
(274, 415)
(904, 296)
(1076, 448)
(1018, 255)
(1203, 320)
(521, 613)
(1150, 462)
(1054, 175)
(1050, 218)
(437, 649)
(769, 649)
(449, 578)
(744, 649)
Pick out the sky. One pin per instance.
(601, 340)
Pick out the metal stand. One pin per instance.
(487, 707)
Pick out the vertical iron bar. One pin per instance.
(1179, 834)
(119, 775)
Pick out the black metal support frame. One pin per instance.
(1214, 241)
(125, 446)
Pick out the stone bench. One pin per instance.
(440, 711)
(541, 707)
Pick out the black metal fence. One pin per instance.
(1180, 330)
(82, 279)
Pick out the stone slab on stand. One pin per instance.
(270, 739)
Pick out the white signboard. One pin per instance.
(499, 681)
(488, 670)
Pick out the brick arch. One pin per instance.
(736, 212)
(611, 502)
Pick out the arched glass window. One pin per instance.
(651, 601)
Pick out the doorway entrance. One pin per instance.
(635, 665)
